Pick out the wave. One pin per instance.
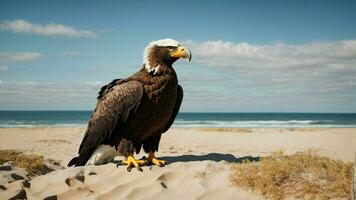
(259, 123)
(255, 121)
(181, 123)
(19, 125)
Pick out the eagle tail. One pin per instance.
(73, 161)
(82, 159)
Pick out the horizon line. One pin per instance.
(286, 112)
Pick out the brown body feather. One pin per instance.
(133, 112)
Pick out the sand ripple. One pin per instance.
(180, 180)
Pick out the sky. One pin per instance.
(248, 56)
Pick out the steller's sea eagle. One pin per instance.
(132, 113)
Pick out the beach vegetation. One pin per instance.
(304, 175)
(33, 164)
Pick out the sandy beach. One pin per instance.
(199, 160)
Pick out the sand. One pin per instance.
(199, 161)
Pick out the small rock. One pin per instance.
(6, 166)
(3, 187)
(20, 195)
(54, 197)
(92, 173)
(26, 184)
(164, 185)
(68, 181)
(80, 178)
(13, 175)
(16, 176)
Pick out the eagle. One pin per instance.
(132, 113)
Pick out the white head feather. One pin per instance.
(147, 51)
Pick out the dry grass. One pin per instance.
(33, 164)
(54, 141)
(303, 175)
(200, 174)
(237, 130)
(307, 129)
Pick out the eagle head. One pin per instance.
(163, 52)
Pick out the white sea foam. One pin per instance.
(38, 125)
(191, 123)
(258, 123)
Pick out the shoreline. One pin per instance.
(196, 127)
(62, 142)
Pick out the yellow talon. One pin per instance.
(132, 162)
(153, 160)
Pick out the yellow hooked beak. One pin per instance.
(181, 52)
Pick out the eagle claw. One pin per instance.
(131, 162)
(152, 160)
(139, 169)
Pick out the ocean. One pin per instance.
(10, 119)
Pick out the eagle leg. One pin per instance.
(154, 161)
(131, 162)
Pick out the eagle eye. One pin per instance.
(171, 48)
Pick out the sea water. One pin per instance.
(187, 120)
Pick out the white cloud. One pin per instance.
(8, 57)
(340, 54)
(23, 26)
(317, 76)
(226, 76)
(95, 83)
(48, 95)
(325, 62)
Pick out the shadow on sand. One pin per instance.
(216, 157)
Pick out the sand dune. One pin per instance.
(189, 180)
(199, 162)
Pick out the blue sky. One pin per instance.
(248, 56)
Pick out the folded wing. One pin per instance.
(116, 102)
